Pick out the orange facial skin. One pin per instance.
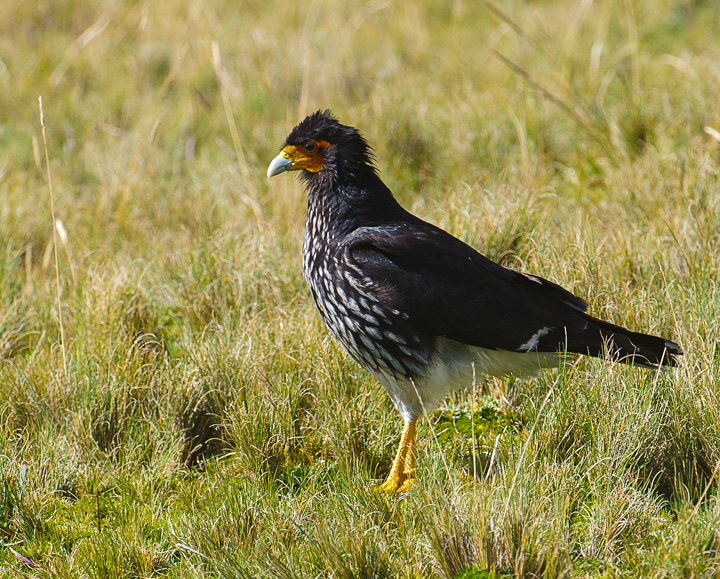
(309, 156)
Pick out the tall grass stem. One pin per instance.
(55, 240)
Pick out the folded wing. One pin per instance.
(451, 290)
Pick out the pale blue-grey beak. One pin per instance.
(278, 165)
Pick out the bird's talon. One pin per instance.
(397, 484)
(406, 485)
(389, 486)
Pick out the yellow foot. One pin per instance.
(402, 471)
(398, 484)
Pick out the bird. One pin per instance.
(418, 308)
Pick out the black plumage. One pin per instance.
(417, 306)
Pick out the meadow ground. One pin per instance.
(177, 409)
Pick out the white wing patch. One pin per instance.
(533, 278)
(532, 343)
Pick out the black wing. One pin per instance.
(449, 289)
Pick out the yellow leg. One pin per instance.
(402, 470)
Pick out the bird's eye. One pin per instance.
(310, 146)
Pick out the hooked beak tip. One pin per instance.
(278, 165)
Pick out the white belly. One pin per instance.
(452, 369)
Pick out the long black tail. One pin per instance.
(600, 338)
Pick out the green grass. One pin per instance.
(205, 424)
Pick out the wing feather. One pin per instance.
(449, 289)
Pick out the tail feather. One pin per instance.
(600, 338)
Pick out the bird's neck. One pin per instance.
(329, 214)
(335, 210)
(363, 201)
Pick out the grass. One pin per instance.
(207, 425)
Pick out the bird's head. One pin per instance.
(321, 147)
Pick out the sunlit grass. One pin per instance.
(208, 426)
